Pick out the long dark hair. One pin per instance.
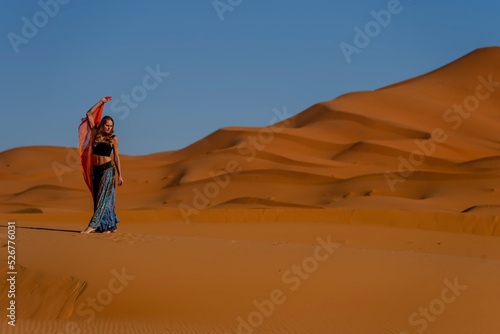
(104, 137)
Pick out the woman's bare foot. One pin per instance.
(88, 230)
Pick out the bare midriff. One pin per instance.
(100, 159)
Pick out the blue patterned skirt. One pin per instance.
(103, 184)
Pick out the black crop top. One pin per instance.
(101, 148)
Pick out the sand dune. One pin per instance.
(331, 155)
(403, 179)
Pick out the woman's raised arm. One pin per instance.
(91, 110)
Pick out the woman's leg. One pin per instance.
(96, 178)
(109, 218)
(88, 230)
(104, 218)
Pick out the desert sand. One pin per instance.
(375, 212)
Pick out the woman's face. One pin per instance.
(108, 126)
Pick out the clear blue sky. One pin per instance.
(227, 67)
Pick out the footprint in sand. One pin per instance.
(130, 238)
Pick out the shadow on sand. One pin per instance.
(43, 228)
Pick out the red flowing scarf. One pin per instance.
(85, 145)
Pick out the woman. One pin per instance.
(103, 172)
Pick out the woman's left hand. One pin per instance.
(120, 180)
